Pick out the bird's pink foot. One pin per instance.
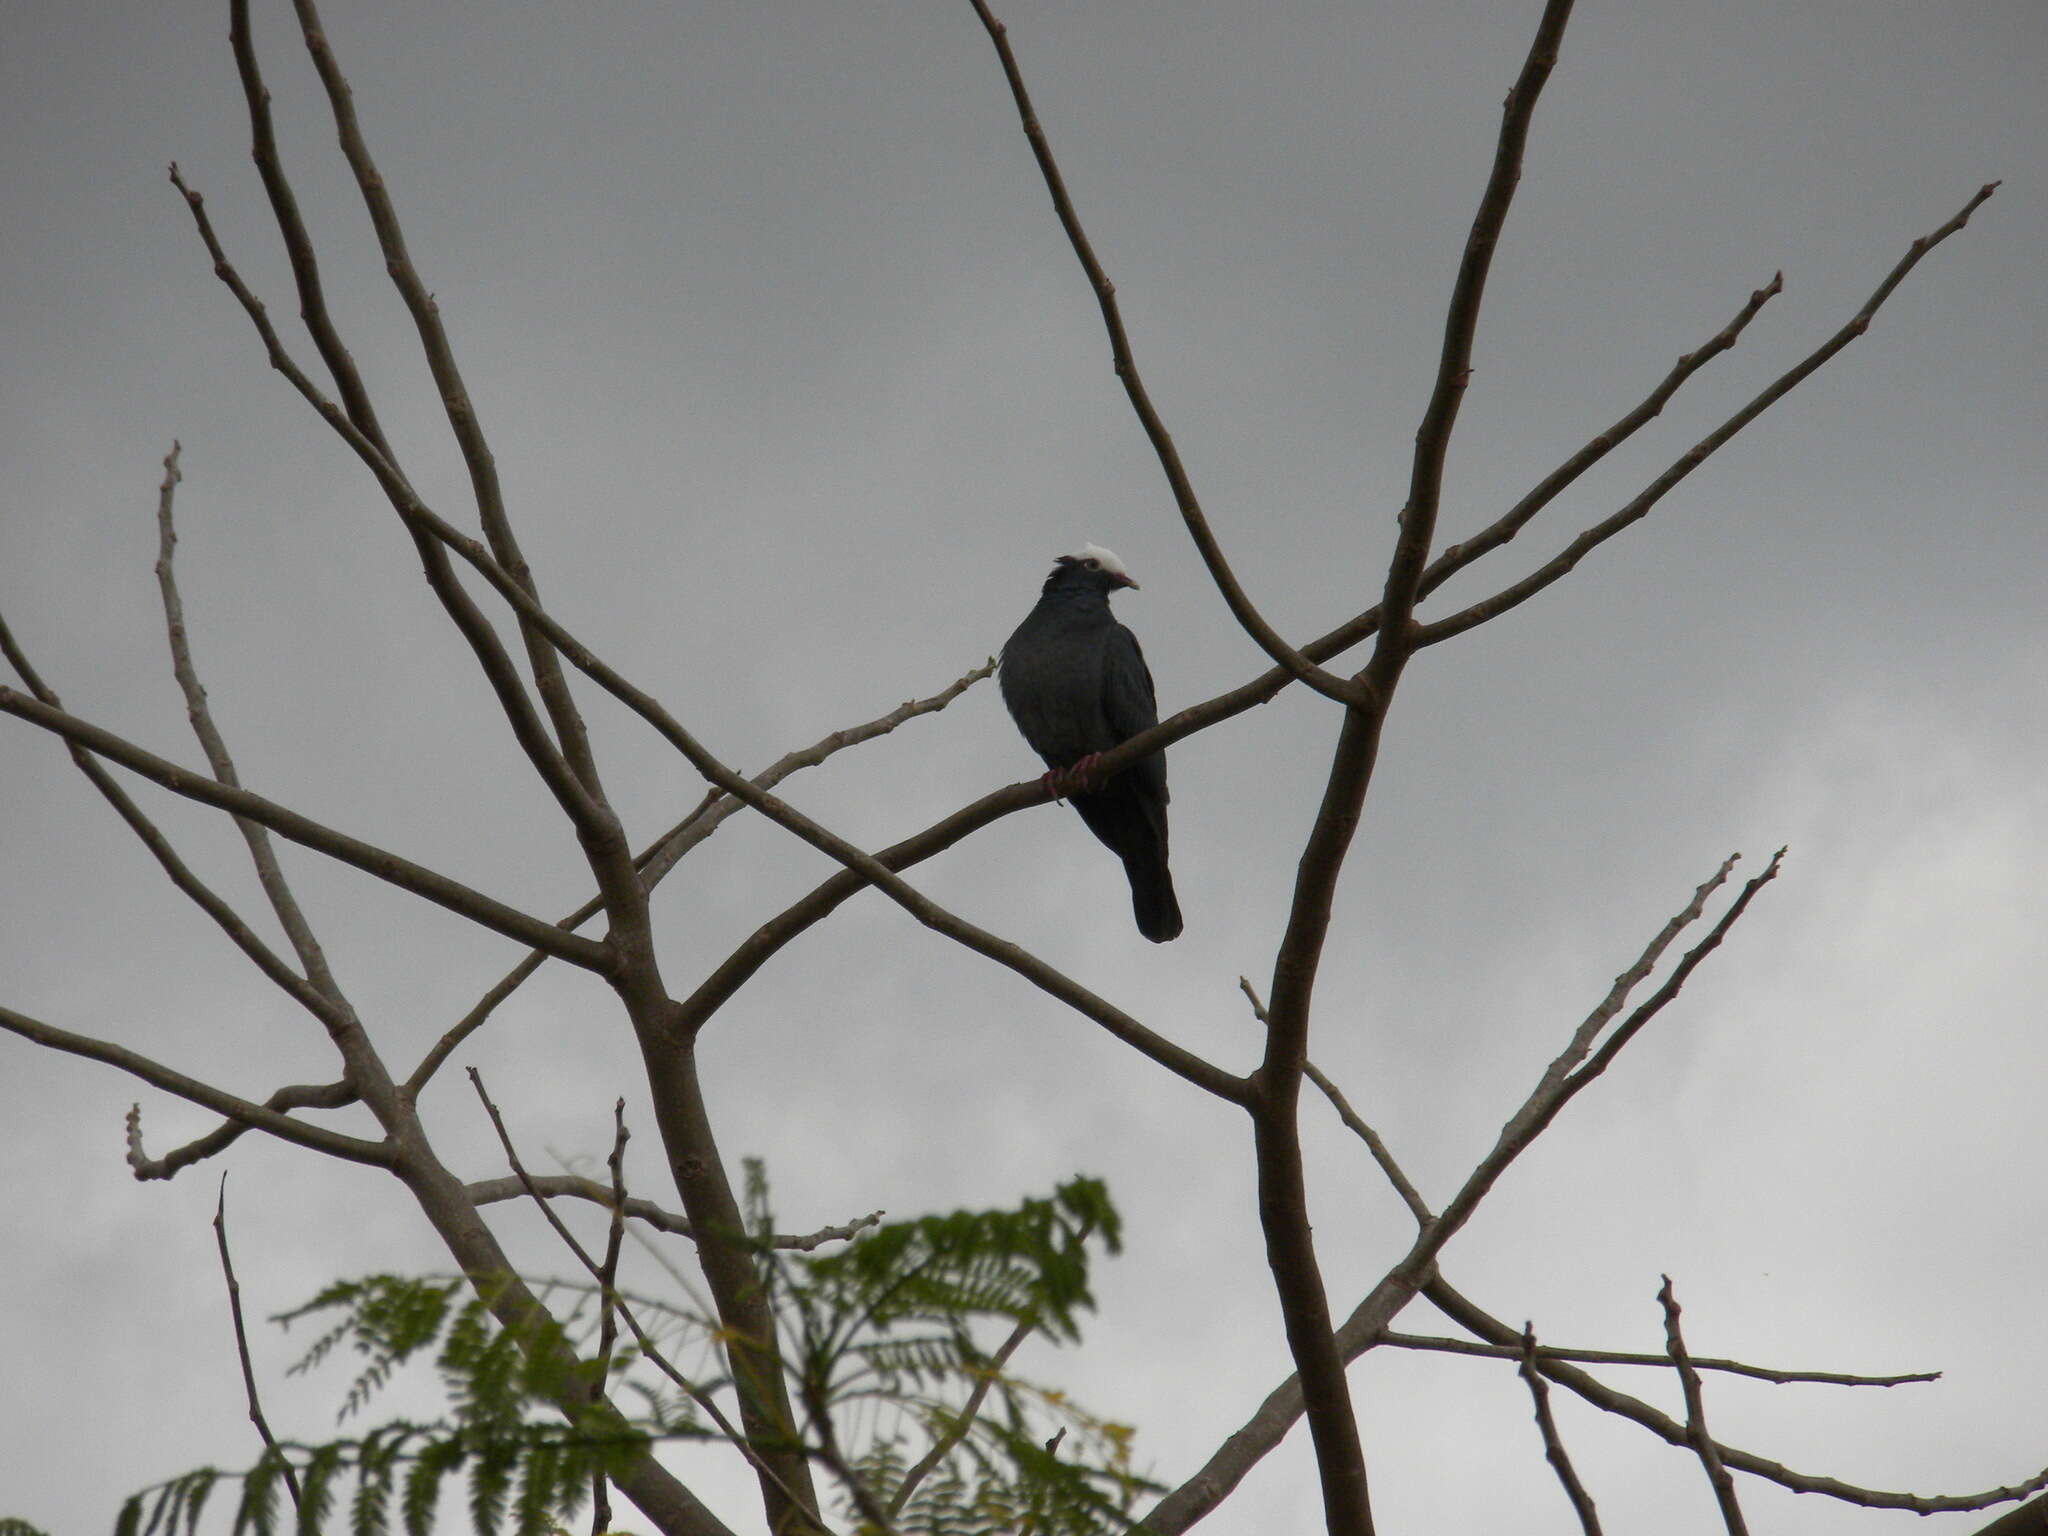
(1081, 777)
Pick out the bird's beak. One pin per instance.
(1125, 581)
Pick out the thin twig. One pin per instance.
(555, 1186)
(225, 1135)
(1503, 529)
(227, 1268)
(298, 242)
(1469, 1315)
(1284, 1405)
(1454, 365)
(649, 1350)
(438, 888)
(463, 421)
(181, 875)
(1469, 1347)
(1521, 591)
(268, 872)
(1560, 1084)
(1553, 1445)
(257, 1117)
(1696, 1416)
(943, 1446)
(1410, 1196)
(1353, 1122)
(716, 807)
(1343, 690)
(662, 855)
(608, 1322)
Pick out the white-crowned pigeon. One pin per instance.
(1076, 684)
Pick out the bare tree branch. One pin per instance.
(1696, 1417)
(1457, 556)
(1521, 591)
(608, 1323)
(203, 896)
(1410, 1196)
(1277, 1413)
(1201, 1493)
(298, 242)
(1393, 1340)
(717, 807)
(1454, 366)
(425, 523)
(468, 433)
(662, 855)
(227, 1268)
(595, 826)
(1175, 1058)
(1560, 1085)
(1468, 1315)
(1553, 1446)
(1276, 1086)
(943, 1446)
(558, 1186)
(647, 1346)
(483, 910)
(256, 1116)
(293, 1096)
(268, 873)
(1295, 663)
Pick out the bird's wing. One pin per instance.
(1128, 703)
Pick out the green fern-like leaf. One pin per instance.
(316, 1487)
(423, 1484)
(541, 1489)
(197, 1486)
(258, 1510)
(490, 1485)
(388, 1318)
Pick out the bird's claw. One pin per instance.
(1077, 778)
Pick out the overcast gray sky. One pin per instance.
(796, 389)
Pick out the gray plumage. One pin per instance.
(1077, 685)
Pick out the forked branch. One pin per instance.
(485, 911)
(666, 851)
(1553, 1444)
(1521, 591)
(1696, 1417)
(228, 1106)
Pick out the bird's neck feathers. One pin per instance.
(1069, 584)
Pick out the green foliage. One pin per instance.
(890, 1320)
(524, 1474)
(881, 1343)
(553, 1466)
(1030, 1264)
(388, 1318)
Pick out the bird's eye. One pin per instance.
(1093, 564)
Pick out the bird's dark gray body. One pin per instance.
(1076, 684)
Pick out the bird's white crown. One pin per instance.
(1106, 558)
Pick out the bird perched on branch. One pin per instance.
(1076, 684)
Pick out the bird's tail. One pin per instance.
(1153, 903)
